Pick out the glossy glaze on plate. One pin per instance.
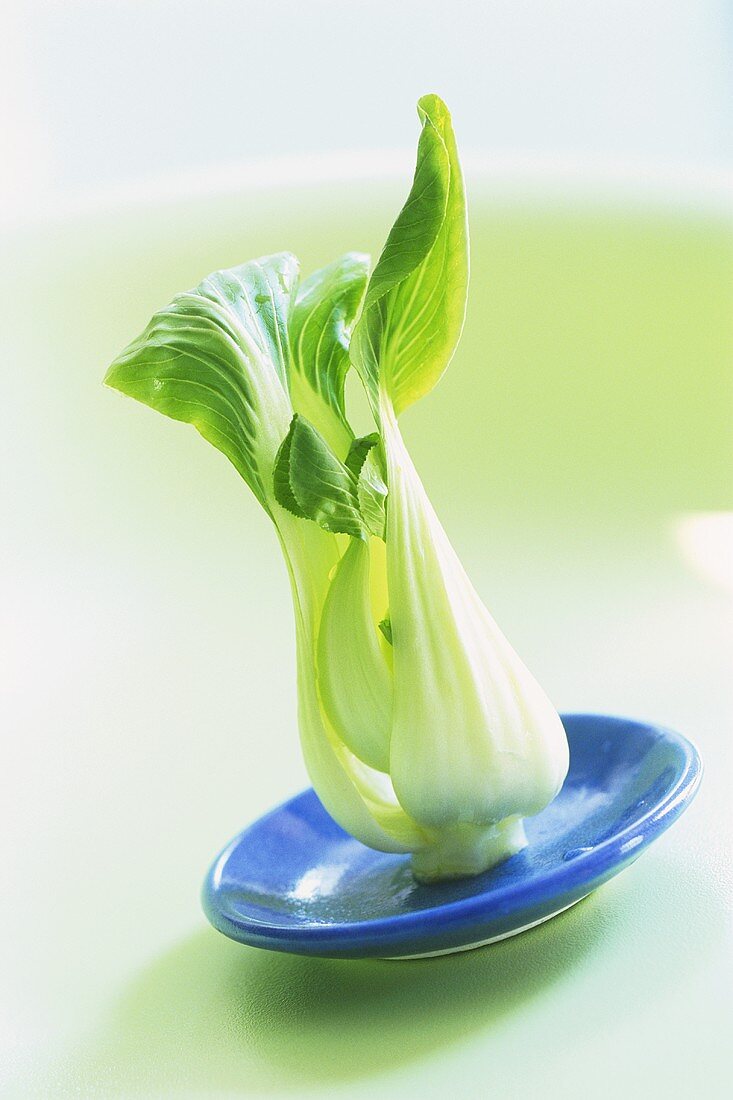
(295, 881)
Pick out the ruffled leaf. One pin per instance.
(217, 358)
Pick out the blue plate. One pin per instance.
(295, 881)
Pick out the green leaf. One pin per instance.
(258, 295)
(416, 299)
(321, 321)
(386, 627)
(372, 494)
(337, 489)
(312, 482)
(359, 450)
(284, 494)
(217, 358)
(365, 461)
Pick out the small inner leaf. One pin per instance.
(284, 494)
(359, 450)
(314, 484)
(372, 494)
(365, 461)
(386, 627)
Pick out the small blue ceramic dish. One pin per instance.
(295, 881)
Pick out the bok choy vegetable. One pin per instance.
(421, 729)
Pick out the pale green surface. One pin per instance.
(149, 638)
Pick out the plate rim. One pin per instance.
(592, 867)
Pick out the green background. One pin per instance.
(579, 454)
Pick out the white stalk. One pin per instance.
(476, 744)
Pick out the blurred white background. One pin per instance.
(103, 95)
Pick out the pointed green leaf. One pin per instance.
(217, 358)
(416, 299)
(320, 329)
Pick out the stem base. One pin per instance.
(466, 850)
